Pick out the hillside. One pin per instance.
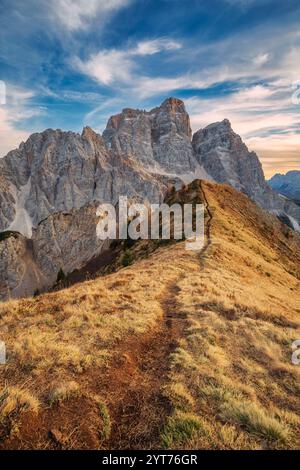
(180, 349)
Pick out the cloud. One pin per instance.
(113, 65)
(154, 46)
(252, 109)
(261, 59)
(263, 113)
(76, 14)
(240, 58)
(16, 110)
(107, 66)
(10, 137)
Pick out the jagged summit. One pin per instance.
(224, 125)
(160, 139)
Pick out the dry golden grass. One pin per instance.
(231, 381)
(72, 335)
(15, 400)
(63, 391)
(244, 314)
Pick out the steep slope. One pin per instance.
(181, 349)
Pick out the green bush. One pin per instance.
(127, 258)
(60, 276)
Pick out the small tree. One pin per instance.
(127, 258)
(60, 276)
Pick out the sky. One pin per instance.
(70, 63)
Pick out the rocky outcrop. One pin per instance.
(66, 241)
(59, 171)
(19, 274)
(63, 240)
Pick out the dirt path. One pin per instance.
(136, 378)
(209, 218)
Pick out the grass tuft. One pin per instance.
(180, 428)
(63, 392)
(14, 400)
(179, 396)
(255, 420)
(104, 413)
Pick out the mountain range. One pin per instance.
(51, 185)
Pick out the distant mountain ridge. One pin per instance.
(288, 185)
(50, 186)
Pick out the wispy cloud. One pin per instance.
(153, 46)
(76, 14)
(266, 55)
(15, 112)
(112, 66)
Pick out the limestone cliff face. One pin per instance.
(58, 169)
(224, 156)
(50, 186)
(19, 273)
(159, 139)
(65, 240)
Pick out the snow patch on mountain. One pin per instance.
(22, 222)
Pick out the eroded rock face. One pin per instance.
(19, 274)
(66, 241)
(50, 186)
(7, 202)
(159, 139)
(60, 169)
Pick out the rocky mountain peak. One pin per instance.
(159, 139)
(173, 104)
(172, 115)
(89, 133)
